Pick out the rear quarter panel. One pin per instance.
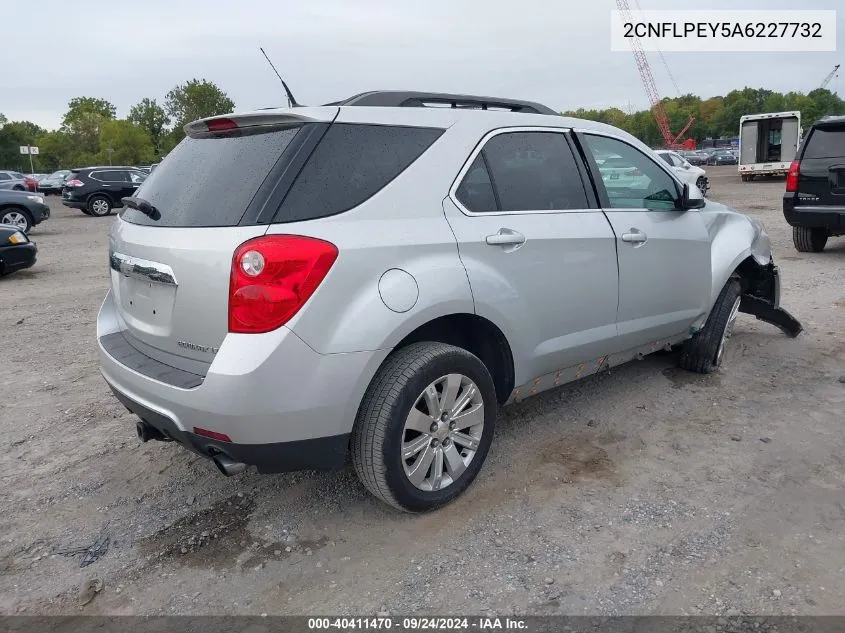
(401, 227)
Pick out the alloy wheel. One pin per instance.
(442, 432)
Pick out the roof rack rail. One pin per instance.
(398, 98)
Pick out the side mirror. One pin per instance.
(692, 198)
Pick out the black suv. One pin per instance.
(814, 202)
(98, 190)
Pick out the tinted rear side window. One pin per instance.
(210, 181)
(476, 190)
(351, 164)
(111, 175)
(826, 143)
(534, 171)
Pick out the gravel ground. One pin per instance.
(646, 490)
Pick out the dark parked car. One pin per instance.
(814, 202)
(697, 158)
(22, 210)
(12, 180)
(723, 157)
(16, 251)
(53, 183)
(98, 190)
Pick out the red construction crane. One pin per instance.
(658, 109)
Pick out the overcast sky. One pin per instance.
(553, 51)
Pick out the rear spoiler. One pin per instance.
(260, 118)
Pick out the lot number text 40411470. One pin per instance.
(418, 624)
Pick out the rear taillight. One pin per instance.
(792, 176)
(271, 279)
(74, 183)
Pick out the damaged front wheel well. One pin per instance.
(760, 292)
(757, 280)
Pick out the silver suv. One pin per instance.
(372, 278)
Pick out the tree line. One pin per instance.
(717, 117)
(91, 133)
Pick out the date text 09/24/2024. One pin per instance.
(418, 624)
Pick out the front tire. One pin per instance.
(99, 206)
(18, 218)
(809, 239)
(424, 426)
(703, 353)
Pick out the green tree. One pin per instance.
(84, 119)
(12, 136)
(58, 150)
(3, 120)
(152, 118)
(130, 144)
(194, 100)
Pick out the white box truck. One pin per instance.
(768, 143)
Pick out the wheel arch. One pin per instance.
(101, 194)
(16, 207)
(477, 335)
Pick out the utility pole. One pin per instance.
(110, 151)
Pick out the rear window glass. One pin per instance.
(826, 143)
(351, 164)
(210, 181)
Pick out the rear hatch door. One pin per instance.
(170, 269)
(821, 179)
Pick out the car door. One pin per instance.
(111, 181)
(539, 254)
(664, 252)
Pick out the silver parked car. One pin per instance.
(13, 180)
(387, 273)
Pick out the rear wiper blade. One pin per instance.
(143, 206)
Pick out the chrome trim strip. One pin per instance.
(142, 269)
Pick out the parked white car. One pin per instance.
(685, 170)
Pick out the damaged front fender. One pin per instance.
(761, 296)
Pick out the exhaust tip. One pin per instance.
(227, 465)
(146, 432)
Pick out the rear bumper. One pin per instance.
(74, 204)
(324, 453)
(283, 405)
(831, 218)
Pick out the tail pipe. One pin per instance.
(227, 465)
(147, 432)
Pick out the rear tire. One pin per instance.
(411, 456)
(809, 239)
(99, 206)
(703, 353)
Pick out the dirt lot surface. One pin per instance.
(647, 490)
